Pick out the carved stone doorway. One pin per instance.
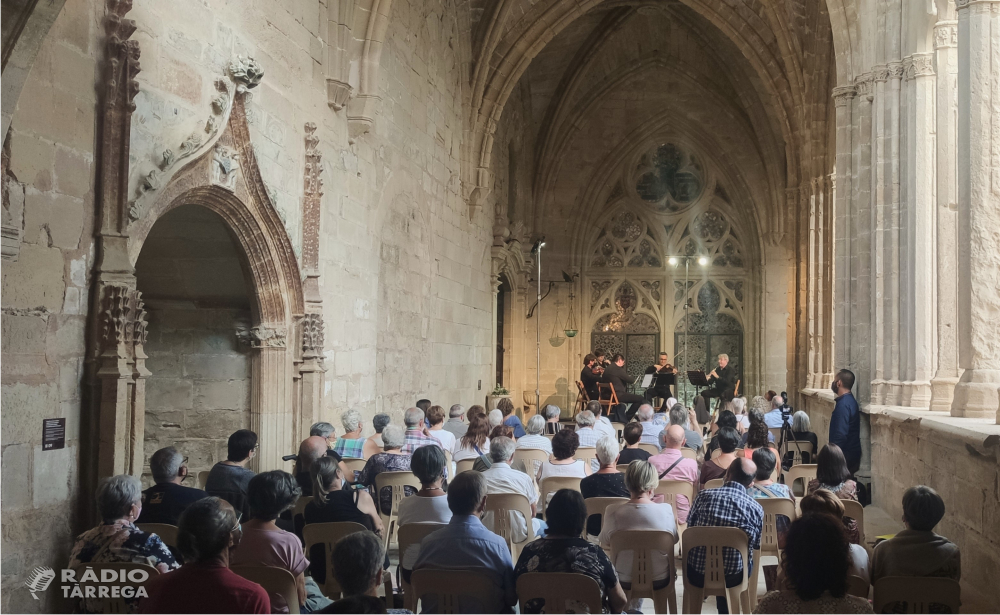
(191, 275)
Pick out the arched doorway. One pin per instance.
(191, 273)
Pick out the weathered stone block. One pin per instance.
(35, 279)
(16, 476)
(217, 367)
(23, 334)
(169, 393)
(24, 407)
(74, 172)
(221, 395)
(32, 160)
(54, 472)
(216, 424)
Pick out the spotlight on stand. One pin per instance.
(538, 246)
(673, 261)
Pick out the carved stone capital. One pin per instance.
(982, 5)
(945, 34)
(864, 85)
(921, 65)
(880, 73)
(896, 70)
(312, 335)
(843, 94)
(123, 322)
(338, 93)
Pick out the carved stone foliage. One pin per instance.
(261, 336)
(312, 195)
(246, 72)
(669, 178)
(123, 322)
(312, 335)
(225, 167)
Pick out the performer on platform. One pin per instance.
(722, 379)
(618, 377)
(661, 386)
(602, 361)
(590, 376)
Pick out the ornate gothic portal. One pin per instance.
(668, 205)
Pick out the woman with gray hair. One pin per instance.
(607, 482)
(392, 459)
(552, 415)
(534, 438)
(495, 417)
(117, 539)
(801, 433)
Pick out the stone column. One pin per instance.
(978, 208)
(843, 97)
(891, 255)
(946, 375)
(861, 244)
(920, 285)
(311, 371)
(828, 280)
(880, 191)
(813, 283)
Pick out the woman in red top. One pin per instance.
(208, 532)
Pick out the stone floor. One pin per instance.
(877, 523)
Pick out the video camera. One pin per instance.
(786, 409)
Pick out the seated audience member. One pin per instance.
(332, 503)
(757, 436)
(832, 474)
(117, 539)
(815, 563)
(500, 431)
(468, 544)
(639, 513)
(728, 440)
(435, 426)
(207, 534)
(423, 404)
(701, 410)
(662, 416)
(456, 421)
(763, 487)
(724, 418)
(773, 416)
(311, 449)
(670, 464)
(474, 410)
(416, 431)
(495, 417)
(562, 462)
(650, 430)
(506, 407)
(769, 396)
(501, 478)
(607, 482)
(264, 543)
(229, 479)
(727, 506)
(324, 430)
(533, 438)
(801, 432)
(392, 459)
(562, 550)
(373, 443)
(917, 551)
(552, 415)
(351, 445)
(357, 564)
(760, 404)
(429, 505)
(166, 500)
(585, 428)
(602, 424)
(739, 409)
(476, 441)
(824, 502)
(679, 415)
(632, 435)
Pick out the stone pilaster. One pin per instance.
(861, 230)
(827, 297)
(843, 97)
(880, 191)
(946, 239)
(978, 208)
(892, 388)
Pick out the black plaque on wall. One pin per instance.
(53, 434)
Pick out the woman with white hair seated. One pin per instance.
(534, 438)
(117, 539)
(639, 513)
(801, 432)
(495, 417)
(739, 408)
(607, 482)
(392, 459)
(552, 415)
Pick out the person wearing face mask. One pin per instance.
(166, 500)
(845, 422)
(208, 534)
(117, 539)
(230, 479)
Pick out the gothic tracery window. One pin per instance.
(626, 238)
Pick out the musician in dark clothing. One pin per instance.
(618, 377)
(589, 377)
(664, 374)
(722, 379)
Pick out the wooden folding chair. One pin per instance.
(856, 511)
(561, 592)
(856, 586)
(354, 466)
(642, 544)
(449, 585)
(670, 489)
(612, 399)
(275, 581)
(113, 604)
(769, 536)
(166, 532)
(917, 594)
(598, 506)
(714, 483)
(714, 539)
(552, 484)
(804, 471)
(465, 465)
(652, 449)
(398, 481)
(407, 536)
(202, 480)
(582, 398)
(502, 505)
(327, 534)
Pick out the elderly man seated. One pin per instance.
(534, 438)
(727, 506)
(670, 464)
(501, 478)
(650, 429)
(585, 428)
(416, 432)
(456, 421)
(351, 444)
(466, 544)
(552, 414)
(166, 500)
(773, 417)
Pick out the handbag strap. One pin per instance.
(674, 465)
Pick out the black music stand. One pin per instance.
(698, 380)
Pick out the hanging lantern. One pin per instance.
(571, 329)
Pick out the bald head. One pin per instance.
(673, 437)
(742, 471)
(311, 449)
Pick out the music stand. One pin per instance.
(698, 380)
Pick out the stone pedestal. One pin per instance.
(978, 209)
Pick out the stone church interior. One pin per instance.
(562, 306)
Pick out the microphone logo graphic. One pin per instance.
(39, 580)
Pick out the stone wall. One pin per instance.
(199, 392)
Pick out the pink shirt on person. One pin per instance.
(686, 470)
(280, 549)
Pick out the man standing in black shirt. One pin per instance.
(166, 500)
(722, 379)
(618, 377)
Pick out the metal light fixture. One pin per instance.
(674, 261)
(571, 329)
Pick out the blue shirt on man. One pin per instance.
(773, 419)
(845, 428)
